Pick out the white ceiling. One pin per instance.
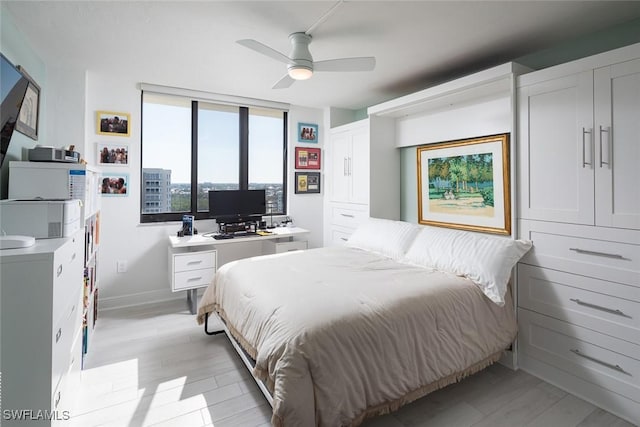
(193, 44)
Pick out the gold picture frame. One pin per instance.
(465, 184)
(112, 123)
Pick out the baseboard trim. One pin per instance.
(140, 298)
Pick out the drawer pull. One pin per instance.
(588, 252)
(58, 335)
(199, 261)
(599, 307)
(191, 279)
(601, 362)
(344, 239)
(348, 216)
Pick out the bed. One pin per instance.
(336, 335)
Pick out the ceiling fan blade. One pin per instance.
(367, 63)
(264, 49)
(284, 82)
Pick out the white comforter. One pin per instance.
(339, 334)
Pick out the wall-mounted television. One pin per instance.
(13, 87)
(236, 205)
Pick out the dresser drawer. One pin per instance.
(600, 359)
(68, 266)
(348, 215)
(606, 307)
(194, 261)
(62, 338)
(602, 254)
(193, 279)
(340, 235)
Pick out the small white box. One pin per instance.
(42, 219)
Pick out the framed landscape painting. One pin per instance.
(465, 184)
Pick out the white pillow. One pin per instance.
(485, 260)
(384, 236)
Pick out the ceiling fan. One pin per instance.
(300, 63)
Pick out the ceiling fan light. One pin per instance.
(300, 73)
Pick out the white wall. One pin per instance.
(144, 246)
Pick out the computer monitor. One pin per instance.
(236, 205)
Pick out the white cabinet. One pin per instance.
(363, 174)
(579, 202)
(350, 164)
(617, 145)
(190, 270)
(41, 318)
(583, 127)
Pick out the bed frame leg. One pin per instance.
(206, 326)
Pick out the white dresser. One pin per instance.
(579, 202)
(363, 176)
(41, 318)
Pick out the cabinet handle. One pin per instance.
(58, 335)
(584, 132)
(348, 216)
(59, 271)
(191, 279)
(604, 254)
(199, 261)
(601, 362)
(344, 167)
(55, 405)
(344, 239)
(599, 307)
(602, 130)
(73, 257)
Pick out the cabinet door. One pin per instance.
(358, 166)
(340, 154)
(556, 149)
(617, 120)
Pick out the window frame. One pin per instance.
(243, 140)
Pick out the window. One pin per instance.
(191, 146)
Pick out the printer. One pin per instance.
(41, 218)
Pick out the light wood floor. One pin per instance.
(153, 365)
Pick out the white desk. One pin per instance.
(193, 260)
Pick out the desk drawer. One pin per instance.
(594, 357)
(193, 279)
(348, 216)
(606, 307)
(600, 256)
(194, 261)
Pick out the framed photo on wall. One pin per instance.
(112, 123)
(112, 154)
(29, 115)
(307, 158)
(464, 184)
(114, 184)
(308, 132)
(307, 182)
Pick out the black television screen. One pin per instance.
(13, 86)
(236, 204)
